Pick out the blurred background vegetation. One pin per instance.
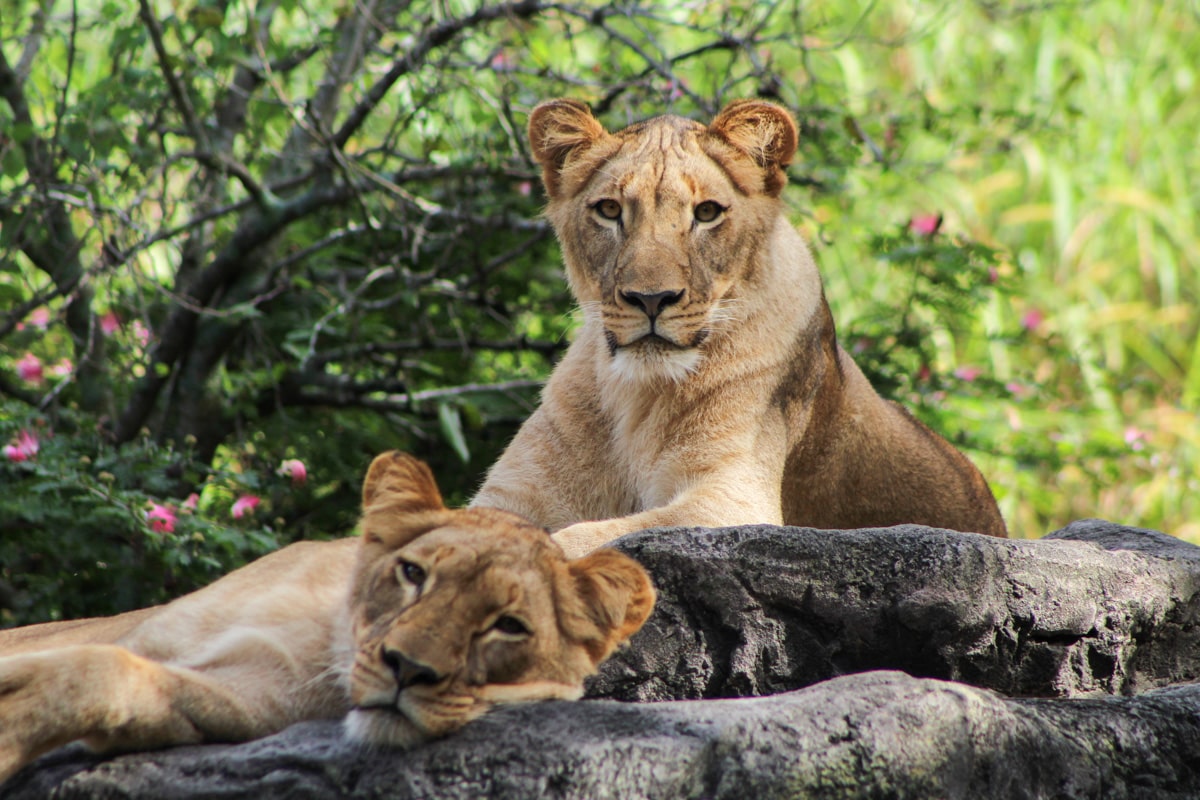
(238, 235)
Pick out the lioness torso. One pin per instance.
(706, 385)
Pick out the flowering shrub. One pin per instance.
(89, 529)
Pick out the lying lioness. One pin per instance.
(427, 621)
(706, 385)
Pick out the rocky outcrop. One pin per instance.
(1087, 637)
(1092, 609)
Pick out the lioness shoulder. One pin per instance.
(706, 385)
(429, 619)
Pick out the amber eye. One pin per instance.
(410, 572)
(609, 209)
(510, 626)
(707, 211)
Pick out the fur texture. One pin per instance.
(706, 385)
(428, 620)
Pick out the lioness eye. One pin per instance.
(707, 211)
(609, 209)
(411, 573)
(511, 626)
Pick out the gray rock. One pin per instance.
(1094, 610)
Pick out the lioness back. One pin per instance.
(706, 385)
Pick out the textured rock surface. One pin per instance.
(1093, 610)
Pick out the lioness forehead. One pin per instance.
(487, 543)
(663, 156)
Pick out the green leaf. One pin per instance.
(450, 421)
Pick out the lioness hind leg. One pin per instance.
(112, 699)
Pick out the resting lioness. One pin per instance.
(706, 385)
(427, 621)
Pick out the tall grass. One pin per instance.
(1069, 136)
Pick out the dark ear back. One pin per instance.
(399, 498)
(763, 131)
(558, 130)
(615, 598)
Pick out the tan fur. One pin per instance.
(742, 407)
(320, 629)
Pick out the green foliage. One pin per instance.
(80, 536)
(233, 234)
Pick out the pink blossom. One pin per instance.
(293, 468)
(993, 274)
(525, 188)
(925, 224)
(924, 373)
(1032, 320)
(141, 333)
(63, 368)
(110, 323)
(502, 62)
(29, 368)
(967, 374)
(40, 318)
(161, 518)
(25, 448)
(1135, 438)
(244, 505)
(189, 505)
(1018, 390)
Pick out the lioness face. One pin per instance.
(455, 612)
(658, 221)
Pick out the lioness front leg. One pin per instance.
(113, 700)
(712, 505)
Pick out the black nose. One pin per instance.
(408, 672)
(652, 304)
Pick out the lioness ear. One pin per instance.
(400, 483)
(616, 599)
(763, 131)
(557, 129)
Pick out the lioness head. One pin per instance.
(456, 611)
(661, 222)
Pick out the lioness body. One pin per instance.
(706, 385)
(428, 620)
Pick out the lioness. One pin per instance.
(427, 621)
(706, 385)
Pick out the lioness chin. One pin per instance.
(706, 385)
(428, 620)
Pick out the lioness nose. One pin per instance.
(408, 672)
(654, 303)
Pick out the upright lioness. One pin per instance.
(706, 385)
(428, 620)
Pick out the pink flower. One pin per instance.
(40, 318)
(924, 373)
(244, 505)
(190, 504)
(967, 374)
(525, 188)
(141, 333)
(1033, 319)
(293, 468)
(25, 448)
(925, 224)
(110, 323)
(1135, 438)
(502, 62)
(1018, 390)
(161, 518)
(63, 368)
(29, 368)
